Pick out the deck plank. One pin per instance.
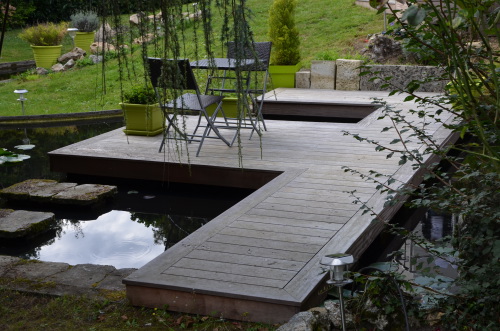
(263, 253)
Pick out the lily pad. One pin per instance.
(24, 147)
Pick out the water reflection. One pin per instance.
(110, 239)
(143, 220)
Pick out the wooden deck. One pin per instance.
(259, 260)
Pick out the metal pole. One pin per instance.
(342, 313)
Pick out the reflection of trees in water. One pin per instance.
(169, 229)
(45, 140)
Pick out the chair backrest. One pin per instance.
(261, 50)
(174, 74)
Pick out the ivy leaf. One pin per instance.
(414, 15)
(377, 4)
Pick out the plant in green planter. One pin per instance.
(46, 41)
(285, 57)
(143, 116)
(87, 23)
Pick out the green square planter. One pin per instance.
(283, 75)
(229, 105)
(142, 120)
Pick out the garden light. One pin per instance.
(337, 264)
(72, 33)
(21, 97)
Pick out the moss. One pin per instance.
(113, 295)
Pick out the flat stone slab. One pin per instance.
(54, 278)
(23, 223)
(50, 191)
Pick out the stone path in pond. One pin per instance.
(52, 192)
(55, 278)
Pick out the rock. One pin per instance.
(57, 67)
(23, 223)
(50, 191)
(41, 71)
(76, 54)
(98, 47)
(347, 75)
(381, 49)
(144, 39)
(70, 64)
(134, 19)
(323, 75)
(334, 314)
(96, 58)
(105, 32)
(306, 321)
(84, 194)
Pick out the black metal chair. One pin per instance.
(178, 76)
(253, 86)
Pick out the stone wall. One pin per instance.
(345, 75)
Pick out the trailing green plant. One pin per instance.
(283, 33)
(45, 34)
(140, 94)
(85, 21)
(463, 37)
(85, 62)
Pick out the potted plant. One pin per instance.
(285, 57)
(87, 23)
(143, 115)
(46, 42)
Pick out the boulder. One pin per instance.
(96, 58)
(105, 32)
(41, 71)
(382, 49)
(70, 64)
(76, 54)
(144, 39)
(99, 47)
(306, 321)
(57, 67)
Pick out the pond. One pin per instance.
(142, 221)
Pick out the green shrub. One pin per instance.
(45, 34)
(85, 21)
(85, 62)
(141, 95)
(283, 33)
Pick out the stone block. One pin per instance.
(303, 79)
(323, 75)
(401, 76)
(348, 71)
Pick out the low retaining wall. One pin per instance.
(346, 75)
(11, 68)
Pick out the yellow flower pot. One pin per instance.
(46, 56)
(83, 40)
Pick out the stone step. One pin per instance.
(52, 192)
(16, 224)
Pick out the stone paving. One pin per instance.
(55, 278)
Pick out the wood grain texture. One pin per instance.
(265, 249)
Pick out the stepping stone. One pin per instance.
(23, 223)
(50, 191)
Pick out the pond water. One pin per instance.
(142, 221)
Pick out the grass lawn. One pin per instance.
(329, 29)
(36, 312)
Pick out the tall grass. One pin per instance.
(329, 29)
